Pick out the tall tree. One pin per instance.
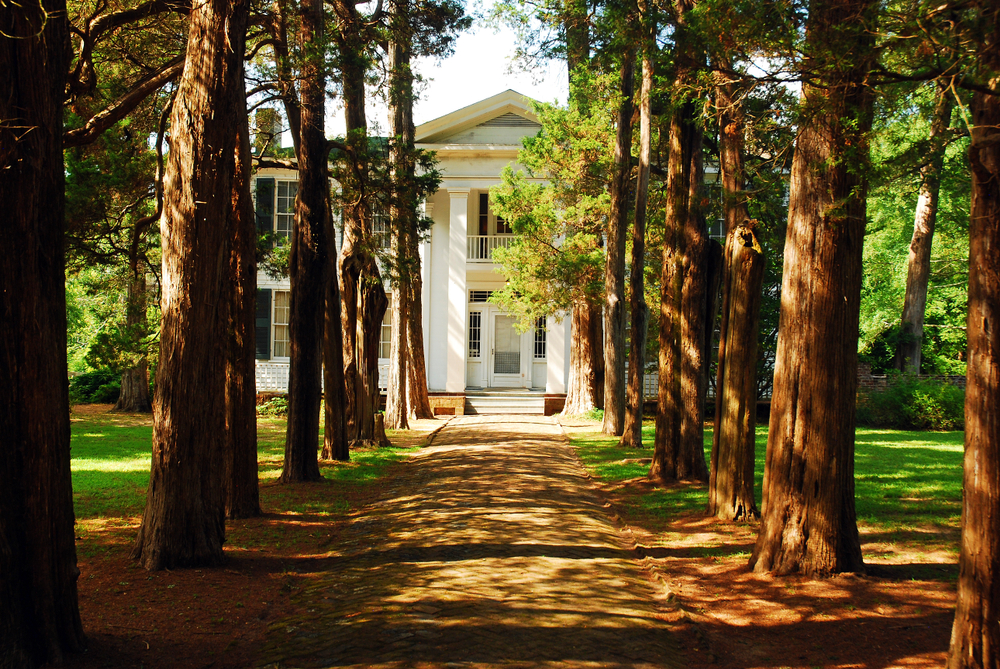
(918, 262)
(39, 613)
(975, 636)
(731, 479)
(308, 263)
(184, 520)
(240, 481)
(402, 210)
(808, 516)
(614, 269)
(731, 466)
(685, 290)
(362, 293)
(632, 435)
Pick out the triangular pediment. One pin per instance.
(501, 119)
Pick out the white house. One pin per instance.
(476, 359)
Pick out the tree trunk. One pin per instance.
(242, 492)
(584, 384)
(39, 615)
(808, 518)
(335, 442)
(134, 396)
(731, 468)
(918, 263)
(403, 212)
(184, 520)
(416, 369)
(361, 288)
(372, 306)
(614, 272)
(632, 435)
(730, 488)
(308, 263)
(678, 450)
(975, 636)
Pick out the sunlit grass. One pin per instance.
(111, 458)
(905, 482)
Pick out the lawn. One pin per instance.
(908, 492)
(193, 617)
(906, 483)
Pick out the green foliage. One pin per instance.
(97, 387)
(557, 258)
(913, 403)
(898, 150)
(276, 406)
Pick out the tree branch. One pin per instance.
(120, 108)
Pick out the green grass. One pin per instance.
(110, 460)
(905, 482)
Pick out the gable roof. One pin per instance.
(508, 108)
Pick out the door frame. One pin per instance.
(492, 379)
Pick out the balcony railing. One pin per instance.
(481, 247)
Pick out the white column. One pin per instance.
(425, 275)
(556, 355)
(458, 298)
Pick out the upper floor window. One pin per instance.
(285, 209)
(275, 206)
(499, 225)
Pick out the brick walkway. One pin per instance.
(489, 550)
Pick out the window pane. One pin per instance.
(385, 342)
(281, 314)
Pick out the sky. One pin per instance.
(477, 70)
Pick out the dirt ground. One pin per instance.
(198, 618)
(898, 615)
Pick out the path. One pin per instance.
(491, 549)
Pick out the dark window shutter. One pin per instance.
(263, 324)
(265, 205)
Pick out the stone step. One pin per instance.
(504, 403)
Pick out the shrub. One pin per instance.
(276, 406)
(909, 403)
(101, 386)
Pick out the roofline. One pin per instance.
(474, 114)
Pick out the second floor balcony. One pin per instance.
(481, 247)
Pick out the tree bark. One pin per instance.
(308, 262)
(403, 212)
(918, 263)
(808, 518)
(242, 491)
(335, 443)
(975, 636)
(39, 617)
(416, 369)
(730, 488)
(183, 524)
(632, 435)
(678, 449)
(361, 289)
(614, 271)
(134, 396)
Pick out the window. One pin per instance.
(484, 214)
(540, 339)
(381, 230)
(285, 209)
(475, 333)
(480, 295)
(502, 227)
(281, 312)
(385, 337)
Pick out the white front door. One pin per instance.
(504, 368)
